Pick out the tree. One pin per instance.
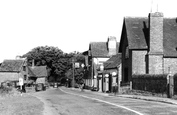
(78, 72)
(56, 61)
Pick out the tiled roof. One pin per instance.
(30, 72)
(39, 71)
(113, 62)
(170, 37)
(11, 65)
(137, 31)
(100, 49)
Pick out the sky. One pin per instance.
(69, 25)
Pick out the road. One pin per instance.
(64, 101)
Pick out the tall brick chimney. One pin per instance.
(155, 54)
(156, 32)
(112, 45)
(33, 63)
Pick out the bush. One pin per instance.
(149, 82)
(175, 84)
(5, 90)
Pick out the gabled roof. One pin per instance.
(136, 29)
(30, 72)
(170, 37)
(39, 71)
(100, 49)
(113, 62)
(11, 65)
(137, 34)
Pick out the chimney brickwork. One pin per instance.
(155, 55)
(112, 45)
(156, 32)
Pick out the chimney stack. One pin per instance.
(112, 45)
(33, 64)
(156, 32)
(155, 54)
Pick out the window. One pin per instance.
(25, 77)
(127, 52)
(24, 68)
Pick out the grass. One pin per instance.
(12, 103)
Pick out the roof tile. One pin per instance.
(113, 62)
(39, 71)
(137, 34)
(100, 49)
(11, 65)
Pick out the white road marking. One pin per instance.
(120, 106)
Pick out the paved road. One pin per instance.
(63, 101)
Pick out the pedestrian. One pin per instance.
(115, 88)
(82, 87)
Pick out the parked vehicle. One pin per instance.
(55, 85)
(40, 87)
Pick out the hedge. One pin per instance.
(175, 84)
(149, 82)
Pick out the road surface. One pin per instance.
(64, 101)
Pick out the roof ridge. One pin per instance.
(134, 17)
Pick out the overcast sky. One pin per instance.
(69, 25)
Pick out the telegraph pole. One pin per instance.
(73, 70)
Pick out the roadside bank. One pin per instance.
(20, 105)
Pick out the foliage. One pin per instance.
(57, 62)
(149, 82)
(175, 83)
(5, 90)
(78, 72)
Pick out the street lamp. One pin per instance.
(106, 75)
(114, 73)
(101, 68)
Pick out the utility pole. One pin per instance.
(73, 70)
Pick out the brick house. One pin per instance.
(98, 53)
(40, 73)
(12, 70)
(148, 45)
(113, 69)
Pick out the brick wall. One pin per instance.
(138, 62)
(172, 63)
(11, 76)
(155, 64)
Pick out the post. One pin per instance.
(73, 70)
(21, 84)
(118, 81)
(170, 85)
(102, 70)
